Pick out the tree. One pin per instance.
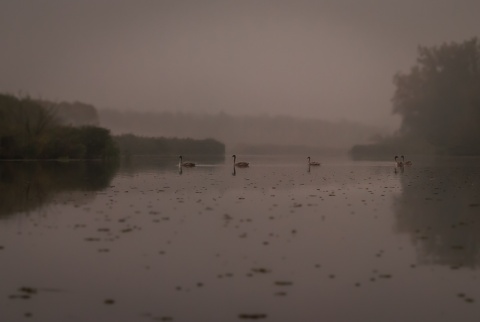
(73, 114)
(24, 126)
(439, 99)
(30, 129)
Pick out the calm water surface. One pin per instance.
(346, 241)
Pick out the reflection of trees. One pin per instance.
(439, 209)
(25, 186)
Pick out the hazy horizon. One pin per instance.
(309, 59)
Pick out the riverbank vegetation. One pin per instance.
(40, 129)
(439, 102)
(31, 129)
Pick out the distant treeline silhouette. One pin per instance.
(130, 144)
(240, 131)
(280, 149)
(439, 102)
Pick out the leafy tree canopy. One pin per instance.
(439, 99)
(31, 129)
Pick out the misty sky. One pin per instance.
(330, 60)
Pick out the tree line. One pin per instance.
(439, 102)
(40, 129)
(238, 131)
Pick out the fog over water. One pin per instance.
(279, 241)
(330, 60)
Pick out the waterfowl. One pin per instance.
(312, 162)
(239, 164)
(406, 162)
(186, 164)
(399, 163)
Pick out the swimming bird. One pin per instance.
(312, 162)
(239, 164)
(406, 162)
(399, 163)
(186, 164)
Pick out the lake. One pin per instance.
(278, 241)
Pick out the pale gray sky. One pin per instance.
(324, 59)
